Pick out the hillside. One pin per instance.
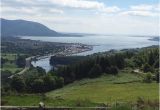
(125, 87)
(25, 28)
(108, 89)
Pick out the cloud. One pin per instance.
(83, 4)
(37, 7)
(139, 13)
(112, 9)
(143, 7)
(142, 10)
(56, 11)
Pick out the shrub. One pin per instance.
(147, 68)
(148, 78)
(122, 106)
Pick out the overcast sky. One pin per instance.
(137, 17)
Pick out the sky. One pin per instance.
(133, 17)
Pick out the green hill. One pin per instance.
(124, 87)
(107, 89)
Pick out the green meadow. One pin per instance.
(107, 89)
(10, 64)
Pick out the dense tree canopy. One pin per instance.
(18, 83)
(21, 61)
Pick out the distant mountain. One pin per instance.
(25, 28)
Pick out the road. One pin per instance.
(27, 66)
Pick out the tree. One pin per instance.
(114, 70)
(41, 70)
(157, 77)
(148, 78)
(108, 70)
(151, 58)
(21, 62)
(119, 59)
(95, 71)
(104, 62)
(147, 68)
(3, 61)
(38, 85)
(59, 82)
(156, 64)
(49, 82)
(17, 83)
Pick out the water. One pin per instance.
(101, 44)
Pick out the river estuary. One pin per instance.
(100, 43)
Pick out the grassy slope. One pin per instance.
(100, 90)
(105, 89)
(8, 65)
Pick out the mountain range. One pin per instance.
(26, 28)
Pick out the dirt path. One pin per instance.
(27, 66)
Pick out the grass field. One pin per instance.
(9, 56)
(125, 87)
(108, 89)
(10, 64)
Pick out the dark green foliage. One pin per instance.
(95, 71)
(3, 61)
(93, 67)
(21, 62)
(49, 82)
(147, 68)
(111, 70)
(157, 77)
(148, 59)
(64, 60)
(67, 74)
(38, 85)
(148, 78)
(18, 83)
(119, 61)
(29, 47)
(40, 70)
(4, 77)
(59, 82)
(156, 64)
(34, 82)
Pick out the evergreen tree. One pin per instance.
(95, 71)
(17, 83)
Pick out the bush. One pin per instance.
(148, 78)
(147, 68)
(121, 106)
